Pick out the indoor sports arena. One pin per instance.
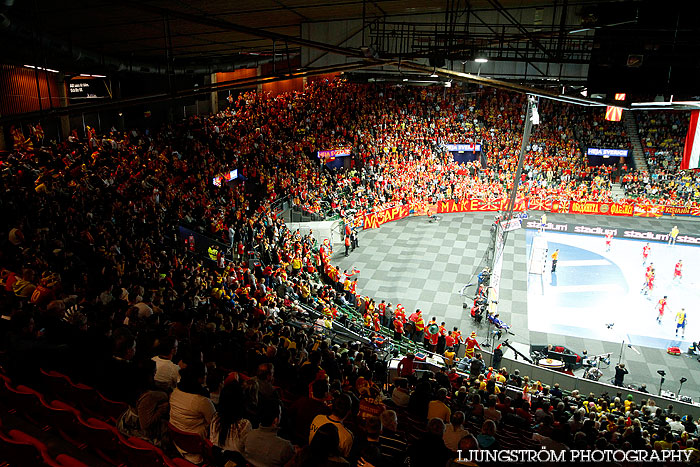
(366, 233)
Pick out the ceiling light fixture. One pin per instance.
(41, 68)
(481, 60)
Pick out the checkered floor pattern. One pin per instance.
(424, 265)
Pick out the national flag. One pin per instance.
(613, 114)
(691, 151)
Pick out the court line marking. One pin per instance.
(584, 262)
(588, 288)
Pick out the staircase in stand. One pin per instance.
(617, 192)
(633, 134)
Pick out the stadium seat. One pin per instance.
(110, 410)
(179, 462)
(27, 403)
(192, 443)
(64, 460)
(65, 419)
(19, 449)
(57, 383)
(142, 453)
(4, 380)
(103, 439)
(85, 397)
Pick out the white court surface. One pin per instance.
(592, 289)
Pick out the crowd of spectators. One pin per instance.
(663, 135)
(97, 284)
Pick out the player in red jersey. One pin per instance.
(648, 280)
(608, 239)
(645, 253)
(661, 307)
(678, 271)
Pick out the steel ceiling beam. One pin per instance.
(226, 25)
(495, 83)
(497, 5)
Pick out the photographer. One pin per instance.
(620, 372)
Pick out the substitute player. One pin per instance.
(681, 320)
(645, 253)
(661, 306)
(678, 271)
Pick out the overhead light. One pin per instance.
(92, 76)
(433, 75)
(481, 60)
(405, 79)
(41, 68)
(448, 84)
(580, 30)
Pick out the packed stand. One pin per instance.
(98, 286)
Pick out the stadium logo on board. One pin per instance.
(604, 208)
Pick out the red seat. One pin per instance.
(57, 383)
(142, 453)
(64, 460)
(103, 439)
(19, 449)
(110, 410)
(191, 443)
(4, 381)
(179, 462)
(84, 397)
(27, 403)
(65, 420)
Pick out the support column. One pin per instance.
(63, 102)
(3, 146)
(214, 96)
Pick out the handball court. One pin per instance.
(425, 265)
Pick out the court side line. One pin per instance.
(584, 262)
(588, 288)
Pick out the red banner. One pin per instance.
(562, 205)
(679, 211)
(375, 219)
(595, 207)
